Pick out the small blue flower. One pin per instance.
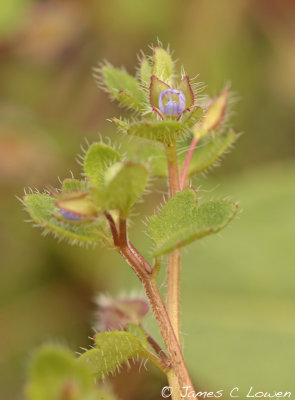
(171, 102)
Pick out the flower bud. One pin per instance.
(76, 206)
(115, 314)
(171, 102)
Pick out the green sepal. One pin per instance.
(145, 71)
(98, 159)
(181, 221)
(74, 185)
(55, 374)
(124, 183)
(123, 87)
(42, 209)
(209, 150)
(156, 88)
(186, 89)
(162, 64)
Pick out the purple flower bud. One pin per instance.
(172, 102)
(115, 314)
(71, 216)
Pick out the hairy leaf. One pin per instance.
(145, 71)
(209, 150)
(181, 221)
(162, 64)
(138, 332)
(113, 350)
(123, 87)
(55, 374)
(44, 213)
(155, 155)
(124, 184)
(98, 159)
(74, 185)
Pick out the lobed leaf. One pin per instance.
(44, 213)
(98, 159)
(123, 87)
(181, 221)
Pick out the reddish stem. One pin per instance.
(187, 162)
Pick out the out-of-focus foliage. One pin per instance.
(241, 324)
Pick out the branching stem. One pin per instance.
(178, 376)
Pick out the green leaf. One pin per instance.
(162, 64)
(98, 159)
(74, 185)
(181, 221)
(155, 155)
(190, 118)
(209, 150)
(145, 71)
(116, 348)
(123, 87)
(45, 214)
(138, 332)
(166, 132)
(124, 184)
(113, 350)
(55, 374)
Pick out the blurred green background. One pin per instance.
(238, 297)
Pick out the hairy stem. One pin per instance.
(173, 277)
(174, 184)
(179, 368)
(179, 376)
(186, 163)
(113, 228)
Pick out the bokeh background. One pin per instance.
(238, 290)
